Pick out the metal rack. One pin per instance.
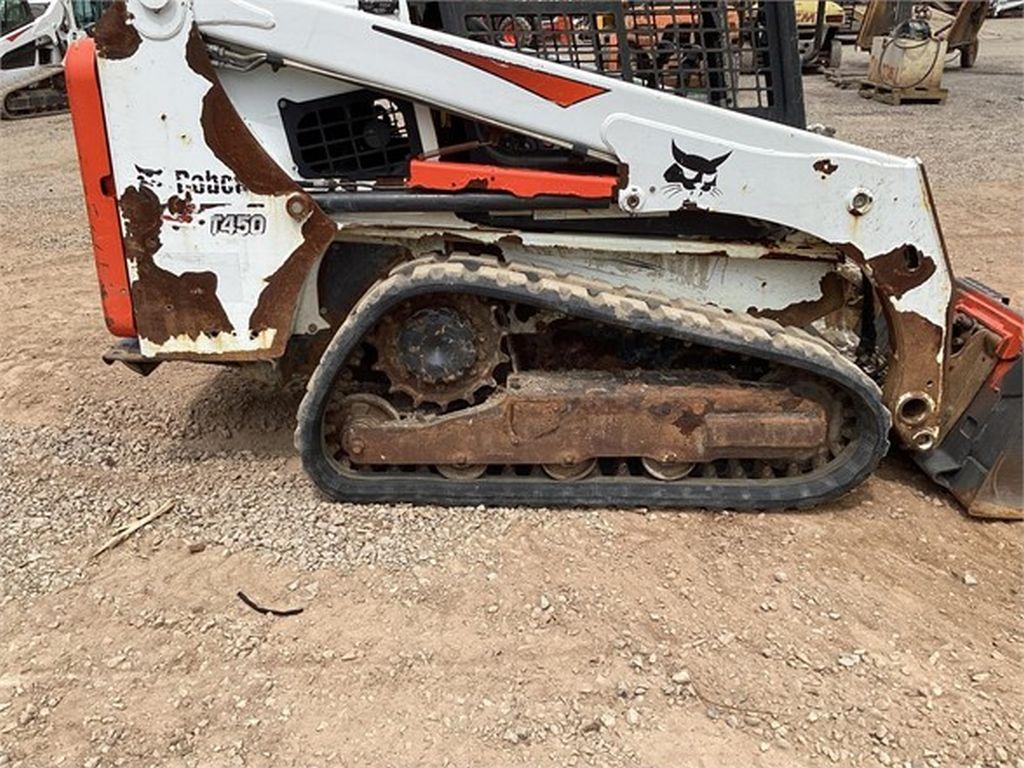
(739, 55)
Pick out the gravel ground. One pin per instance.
(885, 629)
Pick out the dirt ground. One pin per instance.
(884, 630)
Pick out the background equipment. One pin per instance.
(34, 37)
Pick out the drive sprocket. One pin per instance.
(440, 350)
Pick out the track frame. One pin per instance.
(598, 302)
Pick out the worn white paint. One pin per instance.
(158, 128)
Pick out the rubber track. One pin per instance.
(687, 321)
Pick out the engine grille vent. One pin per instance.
(354, 136)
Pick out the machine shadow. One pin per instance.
(239, 412)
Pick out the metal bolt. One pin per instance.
(633, 201)
(356, 447)
(861, 202)
(925, 439)
(297, 206)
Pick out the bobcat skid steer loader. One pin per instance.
(32, 46)
(518, 274)
(34, 36)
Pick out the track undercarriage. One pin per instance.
(464, 380)
(48, 97)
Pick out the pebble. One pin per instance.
(682, 677)
(970, 579)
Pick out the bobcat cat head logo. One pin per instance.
(693, 173)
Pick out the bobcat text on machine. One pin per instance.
(528, 276)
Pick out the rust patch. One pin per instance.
(180, 209)
(894, 273)
(803, 313)
(550, 417)
(238, 149)
(687, 422)
(284, 285)
(115, 37)
(166, 305)
(901, 270)
(915, 342)
(226, 134)
(825, 167)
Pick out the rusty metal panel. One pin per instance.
(219, 239)
(566, 418)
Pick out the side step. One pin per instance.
(126, 352)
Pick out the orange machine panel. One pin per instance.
(98, 183)
(451, 177)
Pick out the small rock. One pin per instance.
(682, 677)
(848, 660)
(27, 715)
(980, 677)
(781, 577)
(544, 603)
(632, 716)
(970, 579)
(197, 547)
(607, 720)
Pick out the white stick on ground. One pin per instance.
(125, 533)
